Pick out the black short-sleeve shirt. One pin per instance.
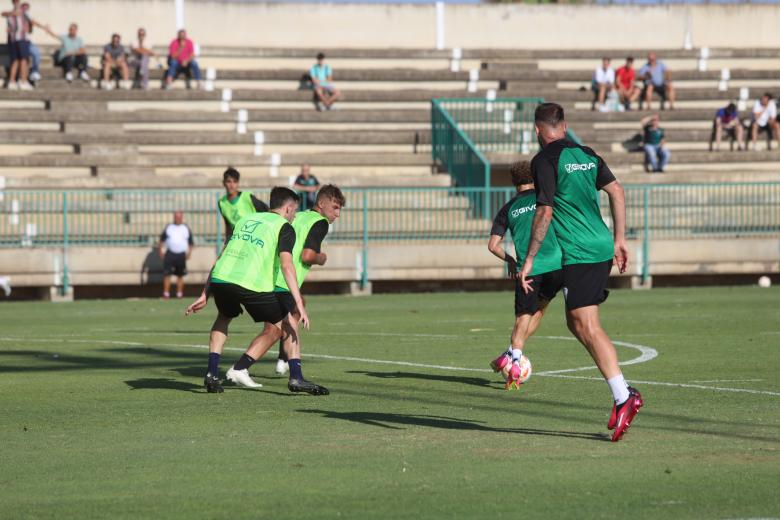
(544, 168)
(286, 238)
(316, 235)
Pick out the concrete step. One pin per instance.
(679, 157)
(216, 160)
(189, 139)
(89, 114)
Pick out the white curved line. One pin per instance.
(647, 353)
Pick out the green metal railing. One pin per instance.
(57, 219)
(456, 152)
(502, 125)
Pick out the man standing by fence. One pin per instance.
(175, 248)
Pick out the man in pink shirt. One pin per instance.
(181, 57)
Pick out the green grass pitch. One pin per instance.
(102, 413)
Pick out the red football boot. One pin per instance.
(613, 416)
(625, 413)
(500, 362)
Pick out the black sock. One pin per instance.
(244, 362)
(214, 364)
(295, 369)
(282, 354)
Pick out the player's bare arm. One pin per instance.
(495, 247)
(311, 257)
(288, 271)
(541, 223)
(617, 205)
(203, 299)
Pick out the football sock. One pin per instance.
(619, 388)
(295, 369)
(282, 355)
(509, 350)
(516, 354)
(214, 364)
(244, 362)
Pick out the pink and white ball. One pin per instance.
(525, 370)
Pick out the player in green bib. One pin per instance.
(567, 178)
(244, 275)
(236, 204)
(311, 227)
(517, 216)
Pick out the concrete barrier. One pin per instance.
(242, 24)
(402, 264)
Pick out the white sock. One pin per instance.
(619, 388)
(516, 354)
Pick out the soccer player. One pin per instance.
(567, 178)
(244, 275)
(517, 215)
(236, 204)
(310, 229)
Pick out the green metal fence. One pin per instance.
(502, 125)
(63, 219)
(456, 152)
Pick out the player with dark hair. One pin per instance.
(567, 178)
(517, 216)
(310, 229)
(236, 204)
(244, 276)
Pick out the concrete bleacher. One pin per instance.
(73, 135)
(64, 136)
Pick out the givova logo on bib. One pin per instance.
(246, 233)
(571, 167)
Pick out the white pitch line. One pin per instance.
(555, 373)
(678, 385)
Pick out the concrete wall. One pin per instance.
(413, 26)
(133, 266)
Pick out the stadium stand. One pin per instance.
(85, 138)
(253, 115)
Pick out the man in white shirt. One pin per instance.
(603, 82)
(175, 248)
(764, 119)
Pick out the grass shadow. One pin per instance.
(163, 383)
(463, 380)
(395, 421)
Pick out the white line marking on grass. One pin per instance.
(678, 385)
(647, 354)
(728, 381)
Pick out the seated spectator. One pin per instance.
(657, 78)
(656, 152)
(625, 82)
(18, 26)
(602, 83)
(325, 91)
(306, 185)
(71, 53)
(181, 58)
(764, 119)
(727, 119)
(115, 60)
(141, 52)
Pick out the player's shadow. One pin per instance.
(476, 381)
(163, 383)
(396, 421)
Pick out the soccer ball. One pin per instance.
(764, 282)
(525, 369)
